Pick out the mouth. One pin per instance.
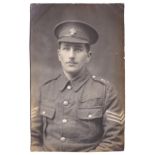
(71, 63)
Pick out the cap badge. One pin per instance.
(72, 31)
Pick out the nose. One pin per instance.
(71, 53)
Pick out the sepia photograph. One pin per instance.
(77, 74)
(77, 77)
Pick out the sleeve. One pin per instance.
(113, 123)
(36, 129)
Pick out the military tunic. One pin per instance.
(83, 114)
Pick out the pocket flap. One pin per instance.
(89, 114)
(92, 103)
(47, 111)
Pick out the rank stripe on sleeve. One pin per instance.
(34, 111)
(114, 120)
(116, 117)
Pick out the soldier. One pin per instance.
(77, 111)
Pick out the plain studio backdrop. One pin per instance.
(108, 53)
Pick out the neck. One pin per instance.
(71, 76)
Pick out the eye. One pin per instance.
(65, 48)
(77, 49)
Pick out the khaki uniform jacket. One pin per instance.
(79, 115)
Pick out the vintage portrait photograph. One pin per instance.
(77, 74)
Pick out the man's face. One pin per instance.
(73, 57)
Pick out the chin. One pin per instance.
(72, 71)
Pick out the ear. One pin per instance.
(89, 53)
(89, 56)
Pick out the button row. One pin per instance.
(63, 139)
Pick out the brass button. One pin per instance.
(93, 76)
(89, 116)
(65, 103)
(44, 112)
(62, 139)
(69, 87)
(102, 79)
(64, 121)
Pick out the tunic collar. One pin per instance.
(75, 83)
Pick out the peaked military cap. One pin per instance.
(75, 32)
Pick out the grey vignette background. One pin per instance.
(108, 53)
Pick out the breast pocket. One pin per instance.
(47, 111)
(90, 109)
(90, 114)
(48, 114)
